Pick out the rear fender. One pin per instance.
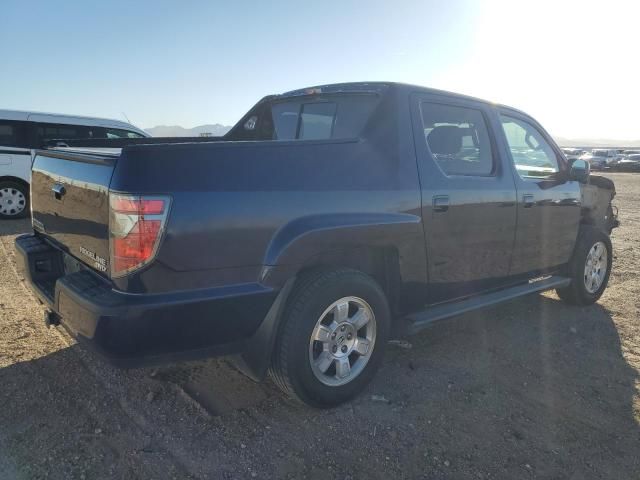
(372, 243)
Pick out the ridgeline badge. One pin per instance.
(99, 263)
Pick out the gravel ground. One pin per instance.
(530, 389)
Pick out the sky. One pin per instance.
(573, 65)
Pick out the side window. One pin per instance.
(8, 135)
(14, 134)
(59, 131)
(120, 133)
(458, 139)
(532, 155)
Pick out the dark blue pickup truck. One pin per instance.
(327, 221)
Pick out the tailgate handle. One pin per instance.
(58, 190)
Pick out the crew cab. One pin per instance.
(328, 220)
(22, 132)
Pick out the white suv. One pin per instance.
(21, 133)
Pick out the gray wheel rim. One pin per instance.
(595, 267)
(342, 341)
(12, 201)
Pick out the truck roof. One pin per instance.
(379, 87)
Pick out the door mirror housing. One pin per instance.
(580, 170)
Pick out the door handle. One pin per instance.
(441, 203)
(58, 190)
(528, 200)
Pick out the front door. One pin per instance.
(468, 196)
(548, 203)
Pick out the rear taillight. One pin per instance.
(136, 225)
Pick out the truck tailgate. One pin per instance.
(70, 203)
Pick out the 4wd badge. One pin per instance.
(99, 263)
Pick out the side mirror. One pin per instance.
(580, 170)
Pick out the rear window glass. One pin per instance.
(285, 120)
(316, 120)
(337, 116)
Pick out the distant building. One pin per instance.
(206, 134)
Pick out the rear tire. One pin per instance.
(332, 337)
(14, 199)
(593, 254)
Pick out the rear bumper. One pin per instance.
(134, 330)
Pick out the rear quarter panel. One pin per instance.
(241, 208)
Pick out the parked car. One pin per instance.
(327, 221)
(572, 154)
(631, 163)
(23, 132)
(626, 153)
(599, 159)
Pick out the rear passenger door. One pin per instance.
(548, 202)
(468, 196)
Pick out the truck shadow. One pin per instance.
(532, 387)
(15, 227)
(535, 376)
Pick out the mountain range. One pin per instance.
(596, 142)
(214, 130)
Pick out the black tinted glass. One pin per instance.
(53, 131)
(8, 135)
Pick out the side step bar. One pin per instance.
(420, 320)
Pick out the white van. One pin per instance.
(21, 133)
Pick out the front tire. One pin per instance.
(332, 337)
(14, 199)
(589, 267)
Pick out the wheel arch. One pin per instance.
(11, 178)
(373, 243)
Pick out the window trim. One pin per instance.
(495, 158)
